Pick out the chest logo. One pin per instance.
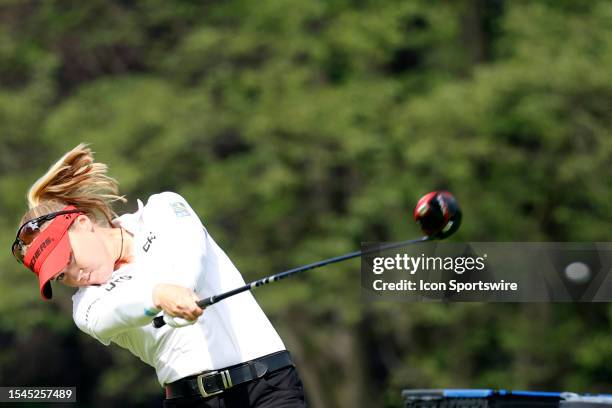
(147, 244)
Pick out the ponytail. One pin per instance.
(76, 180)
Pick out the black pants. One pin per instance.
(279, 389)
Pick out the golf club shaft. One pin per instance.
(159, 320)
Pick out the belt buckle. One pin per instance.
(227, 382)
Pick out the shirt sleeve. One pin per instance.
(119, 305)
(184, 240)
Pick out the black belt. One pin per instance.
(215, 382)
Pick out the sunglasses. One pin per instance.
(28, 232)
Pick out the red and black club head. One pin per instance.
(438, 214)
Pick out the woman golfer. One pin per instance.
(159, 259)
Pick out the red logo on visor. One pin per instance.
(39, 251)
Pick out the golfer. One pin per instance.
(160, 259)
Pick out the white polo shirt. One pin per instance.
(172, 246)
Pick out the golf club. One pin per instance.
(437, 213)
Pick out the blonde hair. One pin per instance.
(75, 180)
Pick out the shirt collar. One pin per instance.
(130, 221)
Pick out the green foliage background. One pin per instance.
(299, 129)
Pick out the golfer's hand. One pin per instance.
(176, 301)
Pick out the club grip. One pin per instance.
(158, 322)
(206, 302)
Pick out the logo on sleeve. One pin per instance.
(180, 210)
(113, 284)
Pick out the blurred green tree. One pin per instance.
(298, 130)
